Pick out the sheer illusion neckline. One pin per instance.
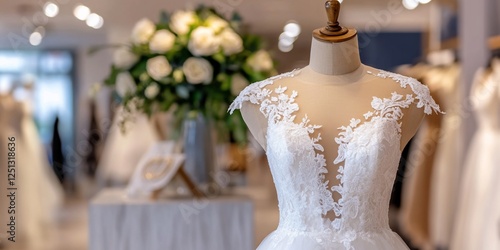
(351, 78)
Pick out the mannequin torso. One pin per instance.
(333, 133)
(332, 90)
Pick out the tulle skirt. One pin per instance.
(478, 216)
(384, 239)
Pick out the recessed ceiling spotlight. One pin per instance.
(410, 4)
(95, 21)
(284, 38)
(99, 23)
(285, 47)
(35, 38)
(81, 12)
(50, 9)
(292, 29)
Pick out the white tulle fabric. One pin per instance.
(368, 156)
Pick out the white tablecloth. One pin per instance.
(119, 223)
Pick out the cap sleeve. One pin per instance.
(421, 91)
(256, 92)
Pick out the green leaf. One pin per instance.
(138, 69)
(197, 99)
(219, 57)
(169, 100)
(226, 83)
(252, 42)
(111, 79)
(166, 80)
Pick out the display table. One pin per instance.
(119, 223)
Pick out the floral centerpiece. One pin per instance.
(196, 61)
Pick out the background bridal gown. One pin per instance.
(478, 218)
(122, 151)
(39, 193)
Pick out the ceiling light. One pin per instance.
(35, 38)
(424, 1)
(292, 29)
(410, 4)
(51, 9)
(93, 20)
(285, 39)
(99, 24)
(81, 12)
(285, 47)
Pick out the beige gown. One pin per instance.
(39, 194)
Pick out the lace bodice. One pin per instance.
(368, 156)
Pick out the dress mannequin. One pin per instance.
(333, 133)
(333, 89)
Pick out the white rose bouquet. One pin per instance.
(193, 61)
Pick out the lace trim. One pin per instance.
(423, 94)
(256, 93)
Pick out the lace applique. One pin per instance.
(388, 109)
(423, 94)
(256, 93)
(278, 107)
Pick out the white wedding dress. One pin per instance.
(369, 153)
(39, 194)
(477, 221)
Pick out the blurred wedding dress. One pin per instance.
(446, 168)
(39, 194)
(430, 189)
(478, 218)
(122, 151)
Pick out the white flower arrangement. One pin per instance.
(143, 31)
(158, 67)
(162, 41)
(197, 60)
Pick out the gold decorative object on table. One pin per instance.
(157, 168)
